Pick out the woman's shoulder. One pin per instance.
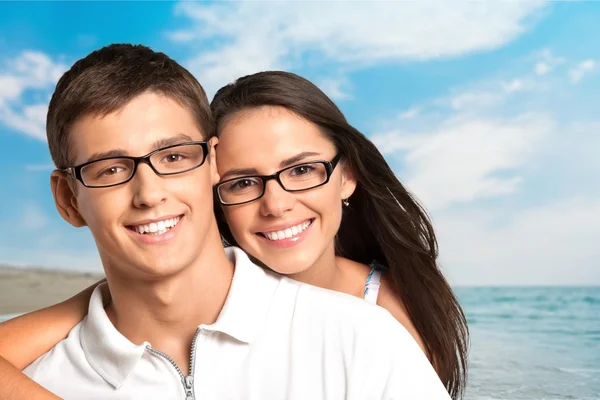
(378, 266)
(390, 299)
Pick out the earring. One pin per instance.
(346, 202)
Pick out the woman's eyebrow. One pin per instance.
(285, 163)
(297, 158)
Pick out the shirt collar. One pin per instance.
(114, 357)
(249, 298)
(109, 353)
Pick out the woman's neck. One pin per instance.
(335, 273)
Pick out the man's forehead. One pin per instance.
(158, 144)
(148, 122)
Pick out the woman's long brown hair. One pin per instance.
(384, 221)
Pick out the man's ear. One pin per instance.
(348, 180)
(63, 191)
(212, 159)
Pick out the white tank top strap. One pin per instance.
(372, 285)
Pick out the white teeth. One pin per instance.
(288, 233)
(157, 228)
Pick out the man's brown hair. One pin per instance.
(109, 78)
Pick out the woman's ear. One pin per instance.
(349, 181)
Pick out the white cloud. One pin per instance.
(509, 179)
(465, 158)
(555, 242)
(583, 68)
(516, 85)
(38, 67)
(181, 36)
(489, 94)
(335, 88)
(474, 150)
(354, 34)
(542, 68)
(410, 113)
(475, 100)
(547, 62)
(39, 167)
(478, 142)
(33, 218)
(30, 120)
(10, 88)
(548, 239)
(30, 71)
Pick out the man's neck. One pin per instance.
(167, 312)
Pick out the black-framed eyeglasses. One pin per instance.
(292, 179)
(113, 171)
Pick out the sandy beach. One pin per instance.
(26, 289)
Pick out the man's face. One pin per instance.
(120, 216)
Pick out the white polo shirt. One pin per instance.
(274, 339)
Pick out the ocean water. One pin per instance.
(533, 343)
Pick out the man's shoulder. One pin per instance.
(382, 352)
(341, 307)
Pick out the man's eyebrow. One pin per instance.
(106, 154)
(173, 140)
(285, 163)
(170, 141)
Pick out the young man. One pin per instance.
(128, 130)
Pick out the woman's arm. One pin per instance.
(16, 385)
(25, 338)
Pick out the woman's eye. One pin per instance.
(302, 170)
(242, 184)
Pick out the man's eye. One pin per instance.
(173, 157)
(112, 171)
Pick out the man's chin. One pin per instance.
(147, 266)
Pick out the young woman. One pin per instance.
(309, 196)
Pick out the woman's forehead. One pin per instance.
(272, 134)
(264, 141)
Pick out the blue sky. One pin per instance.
(488, 111)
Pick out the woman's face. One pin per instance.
(288, 231)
